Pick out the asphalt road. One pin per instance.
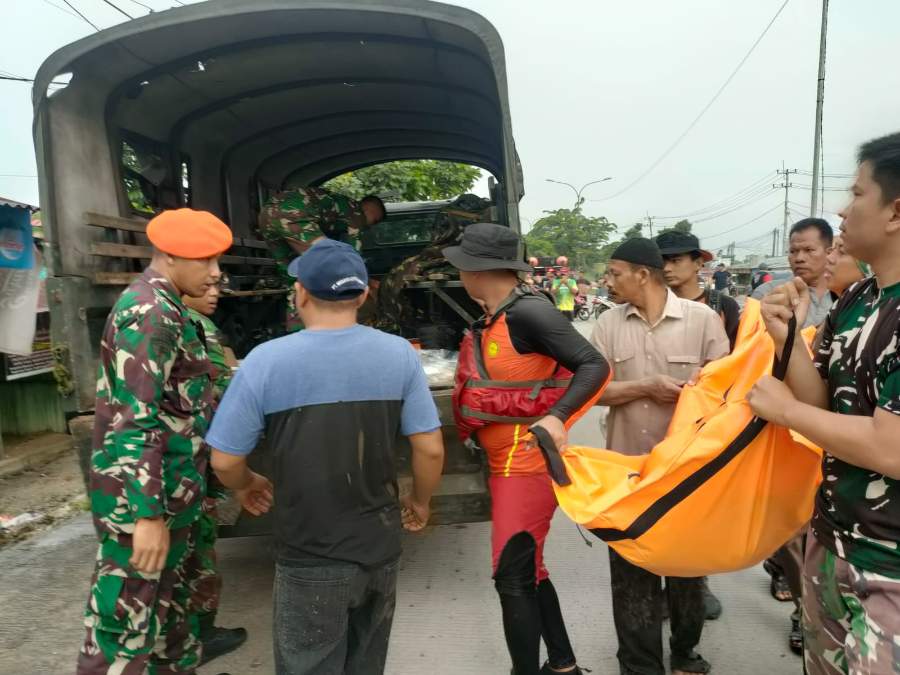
(447, 620)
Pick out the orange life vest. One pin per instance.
(500, 393)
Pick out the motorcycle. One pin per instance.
(595, 308)
(582, 311)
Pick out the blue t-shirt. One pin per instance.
(331, 404)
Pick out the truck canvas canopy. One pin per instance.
(218, 104)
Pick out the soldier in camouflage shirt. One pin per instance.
(149, 462)
(206, 585)
(848, 402)
(292, 221)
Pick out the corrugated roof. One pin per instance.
(16, 205)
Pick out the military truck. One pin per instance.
(216, 106)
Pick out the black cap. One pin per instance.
(331, 270)
(639, 251)
(487, 246)
(677, 243)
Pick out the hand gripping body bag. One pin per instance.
(721, 492)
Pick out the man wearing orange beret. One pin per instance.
(149, 462)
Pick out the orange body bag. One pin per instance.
(721, 492)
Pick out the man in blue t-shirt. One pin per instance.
(331, 401)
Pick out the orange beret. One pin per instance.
(186, 233)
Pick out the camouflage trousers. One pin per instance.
(206, 585)
(851, 618)
(139, 623)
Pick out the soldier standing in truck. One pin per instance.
(292, 221)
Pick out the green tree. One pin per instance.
(570, 233)
(632, 232)
(408, 180)
(683, 226)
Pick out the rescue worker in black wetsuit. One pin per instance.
(522, 338)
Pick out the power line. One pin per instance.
(118, 9)
(828, 175)
(757, 197)
(755, 185)
(829, 189)
(136, 2)
(800, 206)
(700, 115)
(749, 222)
(75, 9)
(15, 175)
(61, 9)
(15, 78)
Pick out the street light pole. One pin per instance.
(579, 200)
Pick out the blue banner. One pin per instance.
(16, 245)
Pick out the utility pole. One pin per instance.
(820, 97)
(786, 185)
(650, 223)
(774, 240)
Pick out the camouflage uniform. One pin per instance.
(851, 587)
(154, 404)
(303, 215)
(206, 585)
(394, 310)
(851, 617)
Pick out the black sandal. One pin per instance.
(690, 663)
(778, 584)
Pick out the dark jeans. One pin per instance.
(637, 611)
(333, 619)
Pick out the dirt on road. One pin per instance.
(52, 492)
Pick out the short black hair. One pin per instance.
(826, 234)
(375, 199)
(884, 156)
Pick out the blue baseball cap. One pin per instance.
(331, 270)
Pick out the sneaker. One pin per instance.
(220, 641)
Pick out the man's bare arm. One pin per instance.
(867, 442)
(254, 492)
(427, 466)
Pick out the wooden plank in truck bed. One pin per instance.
(112, 250)
(139, 225)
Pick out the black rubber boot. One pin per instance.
(218, 641)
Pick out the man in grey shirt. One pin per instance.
(810, 240)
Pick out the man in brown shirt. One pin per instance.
(656, 343)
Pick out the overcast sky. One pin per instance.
(601, 88)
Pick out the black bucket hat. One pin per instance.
(487, 246)
(677, 243)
